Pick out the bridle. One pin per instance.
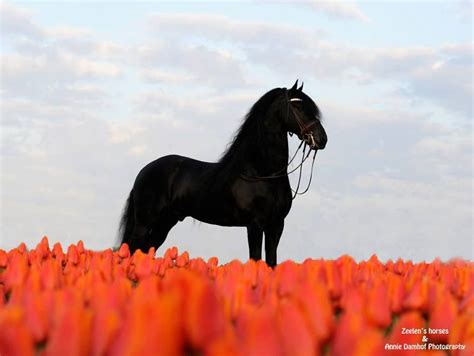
(305, 129)
(307, 139)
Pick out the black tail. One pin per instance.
(128, 221)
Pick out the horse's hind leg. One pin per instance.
(139, 239)
(161, 228)
(143, 215)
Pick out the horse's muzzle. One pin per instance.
(313, 143)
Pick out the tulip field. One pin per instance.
(74, 301)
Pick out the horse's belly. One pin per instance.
(218, 212)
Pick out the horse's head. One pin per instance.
(303, 118)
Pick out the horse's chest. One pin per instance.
(265, 201)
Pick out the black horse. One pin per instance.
(248, 186)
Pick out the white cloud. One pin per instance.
(203, 65)
(426, 219)
(55, 79)
(424, 73)
(165, 76)
(17, 21)
(345, 116)
(445, 145)
(179, 105)
(23, 112)
(93, 68)
(223, 28)
(438, 74)
(68, 32)
(338, 9)
(465, 9)
(137, 150)
(335, 9)
(61, 66)
(449, 189)
(441, 75)
(120, 132)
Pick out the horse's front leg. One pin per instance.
(255, 239)
(272, 238)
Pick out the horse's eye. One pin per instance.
(297, 104)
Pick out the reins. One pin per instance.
(299, 178)
(276, 174)
(304, 128)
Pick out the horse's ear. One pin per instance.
(301, 87)
(295, 85)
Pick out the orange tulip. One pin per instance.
(16, 272)
(111, 303)
(15, 338)
(226, 345)
(50, 272)
(409, 329)
(152, 325)
(3, 259)
(316, 306)
(286, 276)
(294, 333)
(36, 315)
(250, 273)
(396, 292)
(462, 332)
(58, 253)
(71, 328)
(355, 337)
(256, 331)
(22, 248)
(42, 249)
(378, 305)
(213, 261)
(143, 265)
(204, 318)
(72, 255)
(105, 326)
(174, 252)
(333, 279)
(183, 259)
(467, 304)
(124, 251)
(417, 297)
(442, 317)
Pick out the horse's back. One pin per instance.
(161, 175)
(157, 170)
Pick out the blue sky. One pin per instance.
(91, 92)
(389, 22)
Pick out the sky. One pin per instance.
(93, 91)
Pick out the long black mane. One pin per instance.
(247, 141)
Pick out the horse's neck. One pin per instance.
(259, 149)
(271, 156)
